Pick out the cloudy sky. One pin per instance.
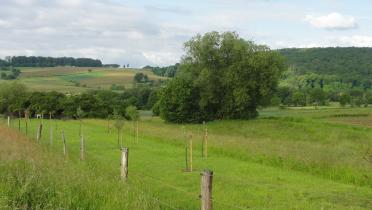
(141, 32)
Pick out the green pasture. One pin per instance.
(77, 79)
(286, 159)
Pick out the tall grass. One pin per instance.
(291, 159)
(32, 177)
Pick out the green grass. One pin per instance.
(77, 79)
(82, 76)
(286, 159)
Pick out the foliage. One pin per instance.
(79, 113)
(178, 102)
(168, 71)
(12, 98)
(119, 120)
(222, 76)
(94, 104)
(132, 113)
(352, 65)
(13, 73)
(336, 71)
(345, 99)
(111, 65)
(33, 61)
(140, 78)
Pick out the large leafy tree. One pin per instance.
(12, 98)
(222, 76)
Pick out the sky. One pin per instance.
(149, 32)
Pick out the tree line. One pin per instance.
(349, 65)
(286, 96)
(39, 61)
(167, 71)
(112, 65)
(15, 100)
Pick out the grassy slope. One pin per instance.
(32, 177)
(302, 159)
(64, 79)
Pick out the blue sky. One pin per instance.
(142, 32)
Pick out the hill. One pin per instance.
(350, 62)
(78, 79)
(336, 69)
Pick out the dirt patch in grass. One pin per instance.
(15, 146)
(365, 121)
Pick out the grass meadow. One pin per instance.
(285, 159)
(77, 79)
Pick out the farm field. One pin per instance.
(77, 79)
(285, 159)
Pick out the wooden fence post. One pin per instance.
(190, 153)
(38, 133)
(26, 126)
(206, 190)
(26, 121)
(205, 143)
(9, 121)
(124, 163)
(186, 149)
(137, 131)
(82, 152)
(19, 121)
(64, 143)
(50, 129)
(51, 135)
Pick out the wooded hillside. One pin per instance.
(350, 62)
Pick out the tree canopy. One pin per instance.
(221, 76)
(346, 65)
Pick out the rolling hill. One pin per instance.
(347, 62)
(78, 79)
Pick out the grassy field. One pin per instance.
(286, 159)
(78, 79)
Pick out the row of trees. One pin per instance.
(317, 96)
(222, 76)
(38, 61)
(349, 66)
(15, 99)
(112, 65)
(168, 71)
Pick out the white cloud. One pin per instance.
(329, 41)
(102, 29)
(335, 21)
(137, 33)
(4, 24)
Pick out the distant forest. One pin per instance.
(38, 61)
(351, 65)
(322, 75)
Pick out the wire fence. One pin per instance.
(192, 196)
